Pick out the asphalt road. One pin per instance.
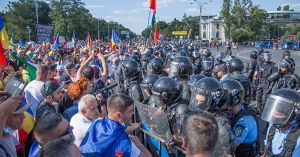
(244, 52)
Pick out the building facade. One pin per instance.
(285, 18)
(212, 28)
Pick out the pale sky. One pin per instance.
(133, 14)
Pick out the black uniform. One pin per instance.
(131, 74)
(264, 70)
(236, 68)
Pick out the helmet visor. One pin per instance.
(207, 65)
(174, 70)
(267, 57)
(196, 54)
(199, 101)
(277, 110)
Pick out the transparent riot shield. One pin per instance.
(155, 121)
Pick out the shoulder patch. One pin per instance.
(238, 131)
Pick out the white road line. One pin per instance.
(238, 54)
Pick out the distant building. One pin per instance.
(212, 28)
(285, 18)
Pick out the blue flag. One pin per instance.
(106, 138)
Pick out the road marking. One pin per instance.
(238, 54)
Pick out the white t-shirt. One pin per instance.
(135, 151)
(80, 125)
(33, 94)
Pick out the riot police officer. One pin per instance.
(220, 58)
(131, 74)
(244, 121)
(236, 68)
(194, 79)
(282, 112)
(180, 69)
(166, 93)
(145, 59)
(287, 55)
(207, 95)
(250, 70)
(263, 71)
(146, 86)
(196, 57)
(286, 78)
(155, 66)
(207, 67)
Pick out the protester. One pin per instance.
(53, 95)
(47, 128)
(13, 122)
(87, 113)
(75, 91)
(60, 147)
(199, 135)
(33, 91)
(100, 142)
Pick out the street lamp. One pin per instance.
(200, 4)
(29, 31)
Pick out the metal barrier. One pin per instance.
(171, 148)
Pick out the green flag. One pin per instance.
(31, 68)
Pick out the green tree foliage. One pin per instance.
(67, 16)
(242, 34)
(20, 14)
(286, 8)
(227, 17)
(258, 18)
(298, 36)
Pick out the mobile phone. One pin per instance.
(14, 86)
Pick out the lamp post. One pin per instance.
(200, 5)
(29, 31)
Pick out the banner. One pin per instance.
(43, 33)
(179, 33)
(125, 32)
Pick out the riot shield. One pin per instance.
(155, 121)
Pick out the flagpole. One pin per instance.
(149, 22)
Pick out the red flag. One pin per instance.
(153, 5)
(89, 41)
(155, 34)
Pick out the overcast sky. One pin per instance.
(133, 14)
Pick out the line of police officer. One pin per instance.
(180, 80)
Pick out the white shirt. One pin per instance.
(80, 125)
(135, 151)
(33, 94)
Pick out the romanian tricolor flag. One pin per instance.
(56, 43)
(155, 34)
(11, 41)
(89, 42)
(153, 5)
(27, 126)
(73, 38)
(20, 45)
(114, 40)
(4, 43)
(153, 22)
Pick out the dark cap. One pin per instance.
(220, 67)
(49, 88)
(69, 65)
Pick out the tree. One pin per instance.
(286, 8)
(242, 34)
(21, 14)
(279, 8)
(298, 36)
(227, 17)
(258, 18)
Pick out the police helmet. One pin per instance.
(207, 64)
(253, 54)
(206, 94)
(235, 64)
(285, 63)
(234, 90)
(194, 79)
(131, 68)
(180, 67)
(220, 56)
(206, 53)
(147, 84)
(280, 107)
(267, 56)
(286, 53)
(168, 89)
(155, 66)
